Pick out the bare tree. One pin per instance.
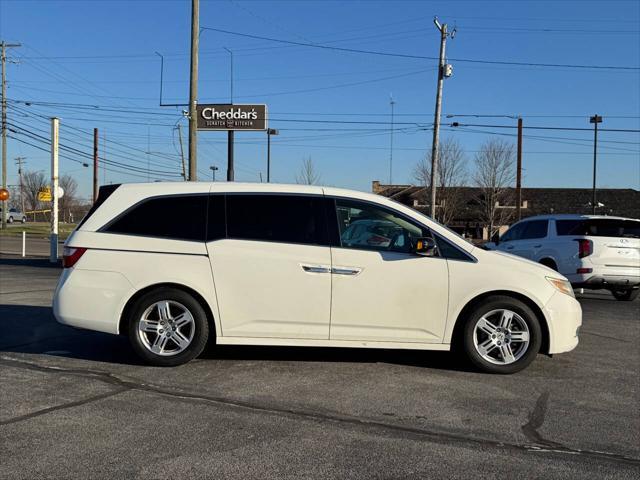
(33, 182)
(494, 176)
(452, 175)
(68, 199)
(308, 175)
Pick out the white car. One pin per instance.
(594, 252)
(264, 264)
(13, 215)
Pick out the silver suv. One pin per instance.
(594, 252)
(13, 215)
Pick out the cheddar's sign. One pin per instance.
(231, 117)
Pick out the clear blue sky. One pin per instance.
(102, 53)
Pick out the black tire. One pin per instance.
(24, 220)
(10, 220)
(547, 262)
(628, 295)
(177, 297)
(496, 303)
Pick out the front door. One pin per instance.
(381, 291)
(271, 266)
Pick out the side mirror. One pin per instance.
(426, 247)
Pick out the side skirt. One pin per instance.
(300, 342)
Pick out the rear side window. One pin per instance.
(103, 193)
(566, 227)
(599, 227)
(179, 217)
(277, 218)
(535, 229)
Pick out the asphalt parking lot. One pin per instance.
(79, 404)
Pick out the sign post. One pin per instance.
(55, 136)
(231, 117)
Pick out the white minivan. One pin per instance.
(177, 265)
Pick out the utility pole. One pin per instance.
(270, 131)
(184, 170)
(230, 133)
(214, 169)
(19, 162)
(596, 119)
(3, 62)
(443, 71)
(392, 103)
(519, 172)
(55, 138)
(95, 164)
(193, 91)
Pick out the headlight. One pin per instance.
(561, 285)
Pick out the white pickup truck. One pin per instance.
(594, 252)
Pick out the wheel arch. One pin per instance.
(123, 322)
(459, 323)
(549, 261)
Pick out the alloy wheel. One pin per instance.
(166, 328)
(501, 337)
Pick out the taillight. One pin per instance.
(71, 255)
(585, 248)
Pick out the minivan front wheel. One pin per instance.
(501, 335)
(168, 327)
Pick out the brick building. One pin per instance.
(623, 202)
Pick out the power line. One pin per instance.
(624, 130)
(419, 57)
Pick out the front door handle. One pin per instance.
(315, 268)
(510, 247)
(346, 270)
(537, 246)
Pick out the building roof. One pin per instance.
(622, 202)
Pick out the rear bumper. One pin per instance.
(564, 316)
(599, 281)
(91, 299)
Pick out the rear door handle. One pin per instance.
(316, 268)
(537, 246)
(510, 247)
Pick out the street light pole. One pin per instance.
(270, 131)
(596, 119)
(213, 171)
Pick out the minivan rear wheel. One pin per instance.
(168, 327)
(501, 335)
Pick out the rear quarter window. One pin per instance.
(178, 217)
(599, 227)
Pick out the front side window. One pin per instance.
(368, 227)
(277, 218)
(179, 217)
(535, 229)
(513, 233)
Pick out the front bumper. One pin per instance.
(564, 318)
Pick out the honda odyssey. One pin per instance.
(177, 265)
